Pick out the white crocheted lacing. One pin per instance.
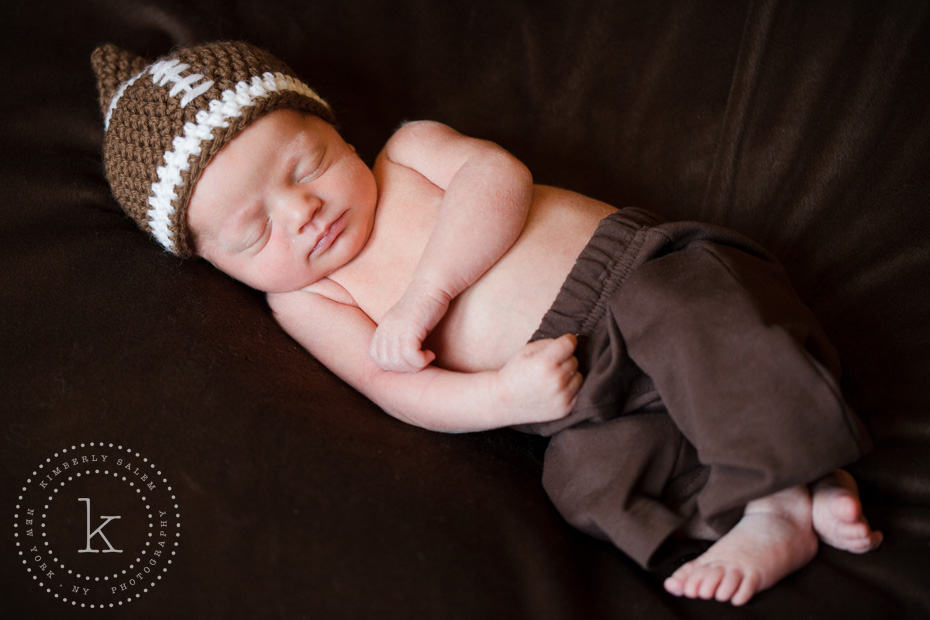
(165, 72)
(170, 72)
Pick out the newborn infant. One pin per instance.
(687, 391)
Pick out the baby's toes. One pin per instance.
(749, 585)
(728, 585)
(865, 543)
(712, 575)
(695, 581)
(851, 532)
(852, 537)
(845, 508)
(675, 584)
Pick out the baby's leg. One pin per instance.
(775, 537)
(837, 514)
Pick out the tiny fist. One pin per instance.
(571, 340)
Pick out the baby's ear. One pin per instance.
(113, 65)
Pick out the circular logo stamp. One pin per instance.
(96, 525)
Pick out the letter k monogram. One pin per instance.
(98, 531)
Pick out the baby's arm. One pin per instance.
(487, 196)
(539, 384)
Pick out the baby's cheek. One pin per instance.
(280, 273)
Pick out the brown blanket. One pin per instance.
(802, 124)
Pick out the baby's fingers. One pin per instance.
(570, 394)
(569, 366)
(569, 378)
(386, 353)
(377, 349)
(414, 358)
(574, 383)
(562, 348)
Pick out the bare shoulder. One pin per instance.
(419, 133)
(437, 151)
(414, 137)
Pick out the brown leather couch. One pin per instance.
(805, 125)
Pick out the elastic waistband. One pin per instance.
(602, 266)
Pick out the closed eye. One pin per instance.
(315, 170)
(264, 233)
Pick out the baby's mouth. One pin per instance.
(329, 236)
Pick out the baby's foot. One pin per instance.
(773, 538)
(837, 514)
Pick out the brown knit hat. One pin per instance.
(165, 121)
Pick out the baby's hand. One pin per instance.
(541, 381)
(397, 341)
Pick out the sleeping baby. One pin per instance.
(686, 390)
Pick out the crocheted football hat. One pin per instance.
(164, 121)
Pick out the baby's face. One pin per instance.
(284, 204)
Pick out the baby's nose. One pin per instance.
(296, 209)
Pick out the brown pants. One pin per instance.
(708, 383)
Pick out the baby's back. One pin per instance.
(492, 319)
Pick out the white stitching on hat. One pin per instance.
(117, 96)
(163, 72)
(169, 71)
(231, 104)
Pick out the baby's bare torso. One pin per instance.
(491, 320)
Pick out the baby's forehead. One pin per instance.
(268, 149)
(266, 143)
(286, 122)
(277, 138)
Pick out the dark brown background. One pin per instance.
(805, 125)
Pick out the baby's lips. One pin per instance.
(329, 235)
